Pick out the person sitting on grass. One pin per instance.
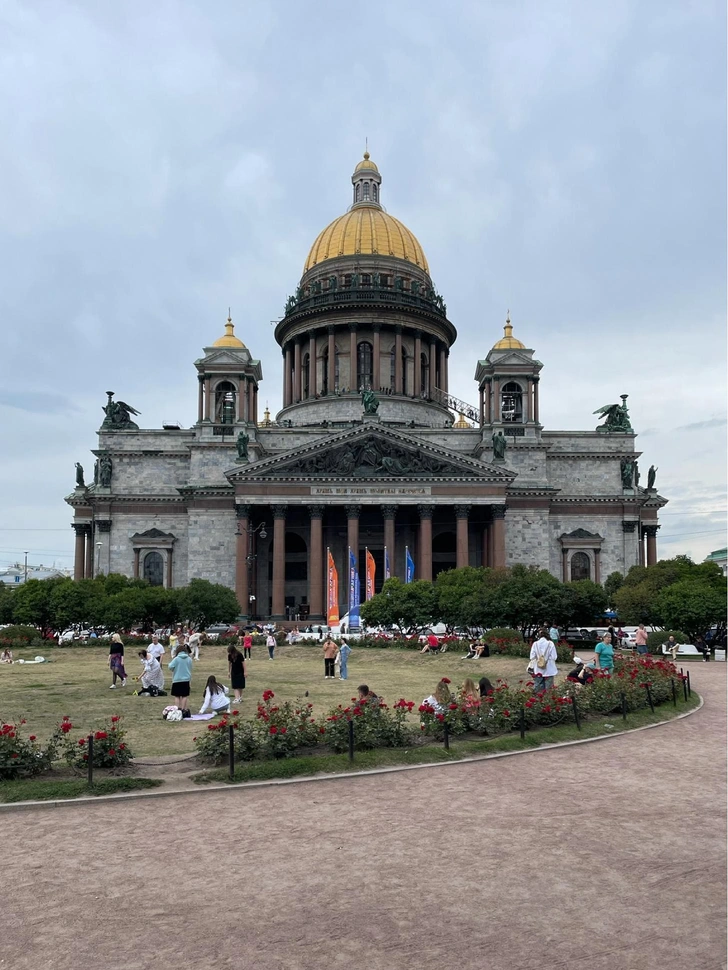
(432, 644)
(476, 650)
(366, 695)
(7, 656)
(216, 697)
(441, 698)
(581, 674)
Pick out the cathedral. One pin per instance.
(370, 451)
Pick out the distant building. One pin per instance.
(15, 575)
(720, 558)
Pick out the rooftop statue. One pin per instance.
(370, 401)
(106, 467)
(500, 443)
(79, 476)
(616, 417)
(118, 415)
(651, 476)
(242, 446)
(628, 469)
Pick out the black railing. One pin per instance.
(455, 404)
(364, 294)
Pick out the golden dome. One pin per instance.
(366, 165)
(461, 422)
(508, 342)
(229, 339)
(368, 231)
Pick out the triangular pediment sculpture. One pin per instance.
(580, 534)
(515, 357)
(381, 454)
(153, 534)
(227, 357)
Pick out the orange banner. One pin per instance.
(332, 586)
(371, 573)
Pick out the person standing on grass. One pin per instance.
(640, 639)
(605, 654)
(181, 667)
(554, 633)
(116, 661)
(247, 645)
(270, 642)
(329, 657)
(156, 648)
(344, 651)
(543, 663)
(236, 669)
(194, 644)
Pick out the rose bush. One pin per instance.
(21, 756)
(376, 725)
(110, 749)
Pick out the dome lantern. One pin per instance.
(366, 181)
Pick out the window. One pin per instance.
(357, 193)
(392, 368)
(325, 389)
(404, 370)
(366, 279)
(154, 569)
(580, 567)
(512, 402)
(364, 365)
(225, 403)
(425, 380)
(306, 375)
(366, 190)
(374, 191)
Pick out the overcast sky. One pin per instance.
(161, 161)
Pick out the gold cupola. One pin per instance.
(229, 339)
(508, 341)
(366, 229)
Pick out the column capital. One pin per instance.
(353, 511)
(389, 511)
(651, 531)
(79, 528)
(353, 327)
(242, 511)
(398, 328)
(279, 511)
(316, 511)
(426, 511)
(462, 511)
(596, 551)
(377, 327)
(628, 527)
(498, 511)
(535, 378)
(103, 525)
(331, 329)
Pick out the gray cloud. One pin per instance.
(702, 425)
(162, 162)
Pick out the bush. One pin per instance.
(658, 637)
(20, 756)
(110, 748)
(510, 643)
(375, 725)
(17, 636)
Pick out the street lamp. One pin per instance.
(251, 557)
(26, 567)
(98, 557)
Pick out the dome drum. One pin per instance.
(341, 410)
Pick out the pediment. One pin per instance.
(379, 454)
(227, 357)
(580, 534)
(153, 534)
(514, 357)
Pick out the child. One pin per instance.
(215, 697)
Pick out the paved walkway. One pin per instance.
(607, 856)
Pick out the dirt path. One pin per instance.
(608, 856)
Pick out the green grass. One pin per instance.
(77, 680)
(436, 753)
(33, 789)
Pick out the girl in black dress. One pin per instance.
(236, 666)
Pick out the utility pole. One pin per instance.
(26, 567)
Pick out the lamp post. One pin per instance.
(98, 557)
(251, 557)
(26, 567)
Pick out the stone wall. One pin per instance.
(124, 526)
(527, 538)
(211, 546)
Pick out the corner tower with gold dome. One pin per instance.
(364, 462)
(365, 316)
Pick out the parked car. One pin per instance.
(218, 630)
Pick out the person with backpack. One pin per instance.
(543, 663)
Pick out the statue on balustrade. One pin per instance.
(616, 417)
(627, 468)
(106, 467)
(79, 476)
(242, 446)
(651, 476)
(370, 401)
(118, 415)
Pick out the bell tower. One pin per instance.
(508, 382)
(228, 379)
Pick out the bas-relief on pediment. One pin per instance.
(373, 456)
(224, 358)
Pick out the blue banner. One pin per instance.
(354, 592)
(387, 572)
(409, 566)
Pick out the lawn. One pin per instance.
(76, 683)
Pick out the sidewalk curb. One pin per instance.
(336, 776)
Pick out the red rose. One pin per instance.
(85, 757)
(122, 747)
(440, 717)
(322, 730)
(66, 726)
(112, 752)
(82, 741)
(14, 754)
(31, 737)
(506, 713)
(446, 680)
(453, 707)
(115, 718)
(273, 729)
(212, 727)
(283, 730)
(235, 713)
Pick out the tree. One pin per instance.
(611, 584)
(691, 606)
(583, 603)
(7, 603)
(409, 606)
(77, 603)
(639, 599)
(202, 603)
(460, 595)
(33, 603)
(525, 599)
(123, 610)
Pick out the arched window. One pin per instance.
(512, 402)
(225, 412)
(580, 567)
(357, 193)
(154, 569)
(306, 375)
(374, 191)
(364, 362)
(366, 191)
(425, 380)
